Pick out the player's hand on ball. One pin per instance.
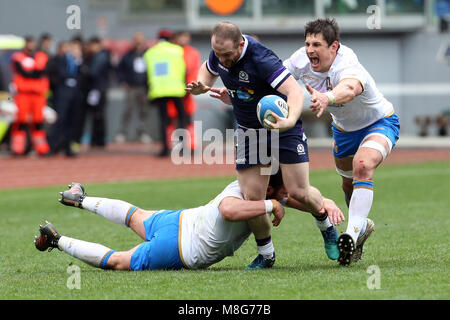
(319, 101)
(196, 88)
(282, 124)
(278, 214)
(334, 213)
(221, 94)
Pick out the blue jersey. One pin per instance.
(257, 73)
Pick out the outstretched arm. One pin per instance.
(346, 90)
(329, 206)
(235, 209)
(205, 80)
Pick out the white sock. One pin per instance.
(360, 205)
(266, 250)
(91, 253)
(116, 211)
(323, 224)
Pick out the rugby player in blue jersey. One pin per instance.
(250, 71)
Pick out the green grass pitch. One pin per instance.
(409, 248)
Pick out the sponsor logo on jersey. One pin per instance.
(242, 93)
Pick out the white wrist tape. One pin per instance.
(331, 97)
(269, 206)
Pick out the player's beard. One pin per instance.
(229, 62)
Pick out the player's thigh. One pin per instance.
(344, 166)
(253, 184)
(161, 250)
(377, 142)
(295, 176)
(137, 221)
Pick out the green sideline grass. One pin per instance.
(410, 245)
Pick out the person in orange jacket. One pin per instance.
(31, 85)
(193, 62)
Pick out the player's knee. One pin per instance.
(363, 169)
(119, 261)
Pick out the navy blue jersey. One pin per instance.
(258, 72)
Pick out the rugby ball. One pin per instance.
(269, 104)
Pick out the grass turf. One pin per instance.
(410, 245)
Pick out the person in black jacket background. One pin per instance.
(95, 71)
(132, 76)
(63, 73)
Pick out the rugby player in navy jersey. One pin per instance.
(250, 71)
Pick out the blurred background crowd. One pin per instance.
(100, 83)
(54, 94)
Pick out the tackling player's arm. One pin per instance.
(235, 209)
(329, 206)
(346, 90)
(294, 94)
(205, 80)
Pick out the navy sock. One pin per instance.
(262, 242)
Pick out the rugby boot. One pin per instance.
(370, 227)
(48, 238)
(330, 237)
(261, 263)
(347, 248)
(74, 196)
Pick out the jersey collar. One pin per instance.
(245, 48)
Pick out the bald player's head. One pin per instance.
(227, 31)
(227, 43)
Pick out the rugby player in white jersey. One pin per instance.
(174, 239)
(365, 126)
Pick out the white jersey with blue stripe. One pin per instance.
(365, 109)
(206, 238)
(257, 73)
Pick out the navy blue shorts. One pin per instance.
(258, 146)
(160, 250)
